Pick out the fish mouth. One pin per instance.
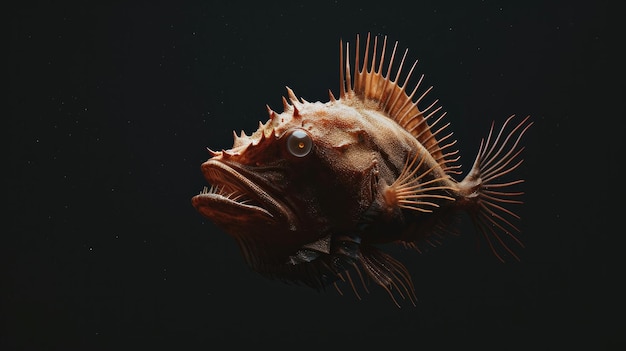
(238, 195)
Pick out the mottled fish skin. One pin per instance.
(312, 194)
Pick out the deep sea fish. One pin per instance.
(313, 195)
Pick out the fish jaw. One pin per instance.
(235, 199)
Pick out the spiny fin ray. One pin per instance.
(416, 192)
(367, 81)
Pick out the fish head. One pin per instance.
(302, 175)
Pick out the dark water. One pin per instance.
(110, 111)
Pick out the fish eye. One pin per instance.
(299, 143)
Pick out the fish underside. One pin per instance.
(316, 191)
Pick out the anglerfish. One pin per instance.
(315, 194)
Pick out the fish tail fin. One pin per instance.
(488, 195)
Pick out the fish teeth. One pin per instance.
(235, 195)
(212, 190)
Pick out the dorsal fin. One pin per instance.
(370, 83)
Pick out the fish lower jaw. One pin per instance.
(219, 207)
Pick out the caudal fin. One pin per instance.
(489, 192)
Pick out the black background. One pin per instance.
(110, 108)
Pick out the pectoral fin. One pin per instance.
(415, 188)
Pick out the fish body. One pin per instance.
(315, 191)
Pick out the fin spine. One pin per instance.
(374, 79)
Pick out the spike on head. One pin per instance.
(236, 139)
(213, 153)
(286, 106)
(291, 95)
(296, 112)
(265, 134)
(226, 154)
(239, 140)
(272, 115)
(294, 102)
